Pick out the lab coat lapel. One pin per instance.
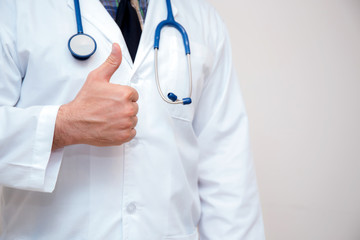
(156, 13)
(93, 12)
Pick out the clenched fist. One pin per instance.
(102, 113)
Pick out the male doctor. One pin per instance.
(90, 151)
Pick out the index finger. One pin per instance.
(134, 96)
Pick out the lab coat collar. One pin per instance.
(94, 13)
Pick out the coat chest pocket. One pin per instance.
(192, 236)
(174, 73)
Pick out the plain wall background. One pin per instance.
(298, 62)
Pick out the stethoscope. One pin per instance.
(82, 46)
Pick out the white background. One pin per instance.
(298, 62)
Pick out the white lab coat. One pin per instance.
(187, 174)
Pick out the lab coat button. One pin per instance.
(131, 208)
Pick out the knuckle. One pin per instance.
(135, 108)
(135, 121)
(130, 93)
(136, 95)
(130, 110)
(128, 135)
(128, 124)
(125, 93)
(132, 133)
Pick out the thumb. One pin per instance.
(112, 63)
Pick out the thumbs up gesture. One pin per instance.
(102, 113)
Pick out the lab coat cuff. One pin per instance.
(46, 163)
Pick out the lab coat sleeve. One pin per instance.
(26, 134)
(227, 182)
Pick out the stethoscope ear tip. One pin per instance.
(172, 96)
(186, 101)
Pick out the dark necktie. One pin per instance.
(128, 21)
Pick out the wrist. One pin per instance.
(63, 134)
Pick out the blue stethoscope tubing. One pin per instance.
(82, 46)
(170, 21)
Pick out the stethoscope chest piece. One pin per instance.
(82, 46)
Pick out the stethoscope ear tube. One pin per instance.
(78, 16)
(171, 97)
(176, 25)
(170, 21)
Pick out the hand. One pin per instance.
(102, 113)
